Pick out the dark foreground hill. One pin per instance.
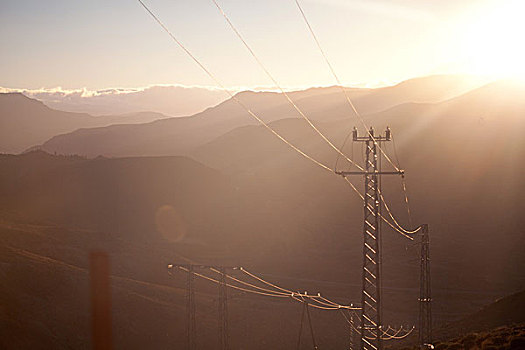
(510, 337)
(499, 325)
(130, 196)
(297, 226)
(145, 213)
(505, 311)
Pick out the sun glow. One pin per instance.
(493, 43)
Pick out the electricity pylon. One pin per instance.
(190, 307)
(223, 311)
(371, 278)
(190, 310)
(351, 345)
(425, 297)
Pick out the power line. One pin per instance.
(352, 106)
(232, 96)
(398, 228)
(304, 295)
(265, 292)
(393, 218)
(349, 101)
(385, 335)
(263, 67)
(403, 183)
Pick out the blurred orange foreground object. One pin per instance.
(100, 300)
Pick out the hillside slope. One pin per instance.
(114, 195)
(505, 311)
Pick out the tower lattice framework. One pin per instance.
(370, 327)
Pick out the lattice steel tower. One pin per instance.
(224, 343)
(190, 310)
(425, 297)
(371, 278)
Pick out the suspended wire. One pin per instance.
(384, 333)
(343, 146)
(408, 232)
(401, 329)
(399, 229)
(396, 336)
(349, 101)
(352, 106)
(403, 182)
(248, 110)
(329, 301)
(263, 281)
(301, 300)
(405, 192)
(354, 188)
(250, 285)
(302, 295)
(233, 286)
(285, 94)
(293, 295)
(232, 96)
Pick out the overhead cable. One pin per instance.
(285, 94)
(349, 101)
(265, 292)
(236, 99)
(232, 96)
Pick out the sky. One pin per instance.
(99, 44)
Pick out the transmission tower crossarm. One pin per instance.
(345, 173)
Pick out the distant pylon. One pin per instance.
(306, 311)
(190, 309)
(425, 297)
(351, 345)
(224, 343)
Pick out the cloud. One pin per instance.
(168, 99)
(172, 100)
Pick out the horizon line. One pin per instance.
(87, 92)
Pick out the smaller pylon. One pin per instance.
(425, 297)
(351, 345)
(223, 311)
(191, 325)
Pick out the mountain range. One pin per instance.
(25, 122)
(216, 188)
(178, 135)
(172, 100)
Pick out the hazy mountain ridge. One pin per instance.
(172, 100)
(26, 122)
(179, 135)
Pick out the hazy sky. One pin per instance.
(100, 43)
